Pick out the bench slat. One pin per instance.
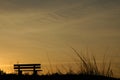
(27, 64)
(26, 67)
(29, 70)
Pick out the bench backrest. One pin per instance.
(27, 66)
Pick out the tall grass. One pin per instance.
(89, 66)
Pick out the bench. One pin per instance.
(27, 67)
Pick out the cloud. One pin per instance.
(47, 5)
(21, 5)
(59, 20)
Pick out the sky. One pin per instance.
(39, 31)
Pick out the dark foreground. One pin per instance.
(55, 77)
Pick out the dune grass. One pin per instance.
(88, 65)
(89, 70)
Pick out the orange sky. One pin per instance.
(29, 30)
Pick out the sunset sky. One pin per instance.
(36, 31)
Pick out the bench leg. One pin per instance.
(34, 72)
(19, 72)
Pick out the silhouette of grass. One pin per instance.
(89, 66)
(89, 70)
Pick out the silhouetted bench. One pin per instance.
(27, 67)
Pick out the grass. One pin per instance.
(89, 70)
(89, 66)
